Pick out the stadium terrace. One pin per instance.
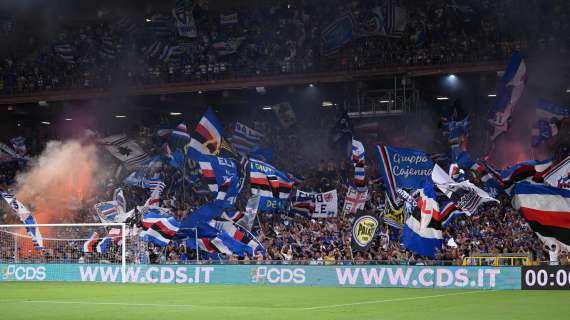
(284, 159)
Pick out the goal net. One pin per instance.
(52, 252)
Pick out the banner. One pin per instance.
(362, 276)
(336, 35)
(354, 200)
(403, 168)
(363, 231)
(326, 204)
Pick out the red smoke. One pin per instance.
(60, 182)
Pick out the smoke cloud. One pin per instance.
(60, 181)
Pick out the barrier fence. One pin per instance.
(373, 276)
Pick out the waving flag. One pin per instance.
(422, 230)
(558, 175)
(523, 170)
(245, 139)
(25, 216)
(125, 150)
(509, 91)
(464, 161)
(240, 234)
(207, 137)
(96, 244)
(268, 182)
(220, 174)
(403, 168)
(457, 132)
(547, 211)
(158, 228)
(465, 195)
(154, 184)
(203, 214)
(358, 159)
(107, 211)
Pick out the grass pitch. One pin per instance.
(43, 301)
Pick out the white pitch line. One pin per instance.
(392, 300)
(111, 303)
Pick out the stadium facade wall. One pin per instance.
(292, 275)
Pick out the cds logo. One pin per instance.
(278, 275)
(20, 273)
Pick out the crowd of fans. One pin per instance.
(289, 238)
(277, 38)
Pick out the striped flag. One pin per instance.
(422, 229)
(207, 137)
(158, 228)
(547, 211)
(245, 139)
(358, 159)
(96, 244)
(511, 87)
(266, 181)
(26, 217)
(154, 184)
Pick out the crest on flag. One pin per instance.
(363, 231)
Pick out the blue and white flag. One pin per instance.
(158, 228)
(523, 171)
(203, 214)
(403, 168)
(220, 174)
(266, 181)
(547, 210)
(245, 139)
(422, 229)
(208, 135)
(457, 132)
(96, 244)
(25, 216)
(509, 91)
(337, 34)
(358, 160)
(154, 184)
(107, 211)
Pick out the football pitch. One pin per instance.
(58, 300)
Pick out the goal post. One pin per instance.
(62, 245)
